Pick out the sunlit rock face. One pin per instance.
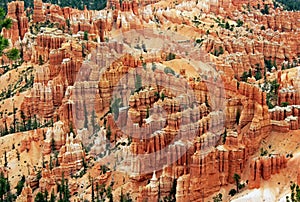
(85, 60)
(15, 11)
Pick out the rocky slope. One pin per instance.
(151, 99)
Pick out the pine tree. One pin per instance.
(115, 107)
(5, 128)
(51, 163)
(35, 123)
(84, 165)
(67, 192)
(52, 197)
(46, 195)
(20, 185)
(94, 121)
(97, 191)
(108, 134)
(13, 54)
(237, 178)
(39, 197)
(86, 36)
(18, 155)
(265, 10)
(4, 23)
(5, 159)
(109, 194)
(93, 191)
(173, 190)
(29, 124)
(162, 96)
(86, 121)
(122, 198)
(147, 113)
(41, 61)
(102, 191)
(23, 117)
(43, 162)
(71, 128)
(68, 24)
(237, 116)
(138, 83)
(227, 26)
(52, 145)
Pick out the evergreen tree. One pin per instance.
(162, 96)
(29, 124)
(52, 145)
(52, 197)
(67, 192)
(20, 185)
(147, 113)
(115, 106)
(218, 198)
(290, 5)
(64, 192)
(173, 190)
(23, 117)
(94, 121)
(265, 10)
(109, 194)
(41, 61)
(35, 122)
(71, 128)
(237, 117)
(93, 191)
(5, 128)
(125, 197)
(5, 159)
(86, 36)
(86, 121)
(4, 23)
(39, 175)
(3, 44)
(108, 134)
(227, 26)
(153, 66)
(39, 197)
(51, 163)
(239, 23)
(97, 192)
(68, 24)
(18, 155)
(138, 83)
(237, 178)
(258, 74)
(13, 54)
(46, 195)
(102, 191)
(4, 186)
(169, 70)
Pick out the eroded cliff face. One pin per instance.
(15, 11)
(86, 75)
(263, 168)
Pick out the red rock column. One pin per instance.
(38, 11)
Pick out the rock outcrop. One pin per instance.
(15, 11)
(196, 129)
(264, 167)
(38, 14)
(71, 157)
(55, 137)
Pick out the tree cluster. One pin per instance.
(79, 4)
